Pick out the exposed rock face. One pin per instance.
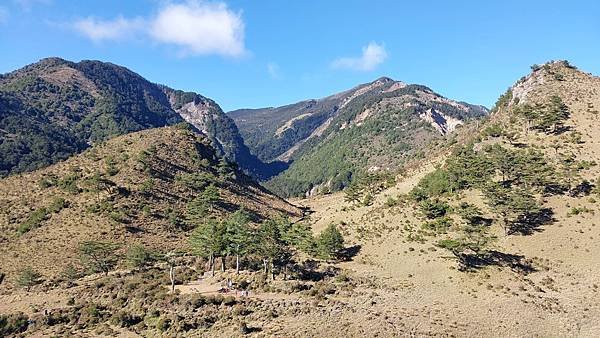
(198, 113)
(442, 123)
(208, 118)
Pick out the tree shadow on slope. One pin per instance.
(532, 222)
(347, 254)
(309, 271)
(476, 261)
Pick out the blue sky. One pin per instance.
(246, 53)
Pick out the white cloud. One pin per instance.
(372, 55)
(117, 29)
(196, 27)
(273, 70)
(200, 28)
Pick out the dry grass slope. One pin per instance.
(141, 198)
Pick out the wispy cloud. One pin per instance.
(372, 56)
(195, 27)
(116, 29)
(274, 70)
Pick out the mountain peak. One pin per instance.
(542, 82)
(52, 60)
(385, 79)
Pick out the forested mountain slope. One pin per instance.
(55, 108)
(374, 127)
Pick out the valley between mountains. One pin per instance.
(131, 209)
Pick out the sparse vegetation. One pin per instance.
(99, 256)
(28, 278)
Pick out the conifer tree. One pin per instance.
(511, 203)
(272, 247)
(207, 241)
(210, 196)
(99, 256)
(237, 236)
(330, 242)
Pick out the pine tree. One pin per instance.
(569, 167)
(511, 203)
(237, 235)
(196, 212)
(139, 257)
(503, 160)
(207, 241)
(300, 236)
(352, 194)
(532, 170)
(474, 241)
(529, 113)
(210, 196)
(330, 242)
(553, 116)
(467, 169)
(99, 256)
(272, 248)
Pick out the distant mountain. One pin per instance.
(207, 117)
(373, 127)
(53, 109)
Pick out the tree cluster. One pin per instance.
(274, 242)
(548, 118)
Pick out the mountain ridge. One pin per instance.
(70, 105)
(297, 132)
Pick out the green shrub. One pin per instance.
(111, 166)
(69, 183)
(34, 220)
(118, 216)
(494, 130)
(138, 256)
(438, 225)
(163, 324)
(58, 203)
(433, 184)
(391, 202)
(28, 278)
(47, 182)
(125, 319)
(470, 213)
(13, 324)
(434, 208)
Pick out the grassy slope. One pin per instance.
(416, 291)
(140, 215)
